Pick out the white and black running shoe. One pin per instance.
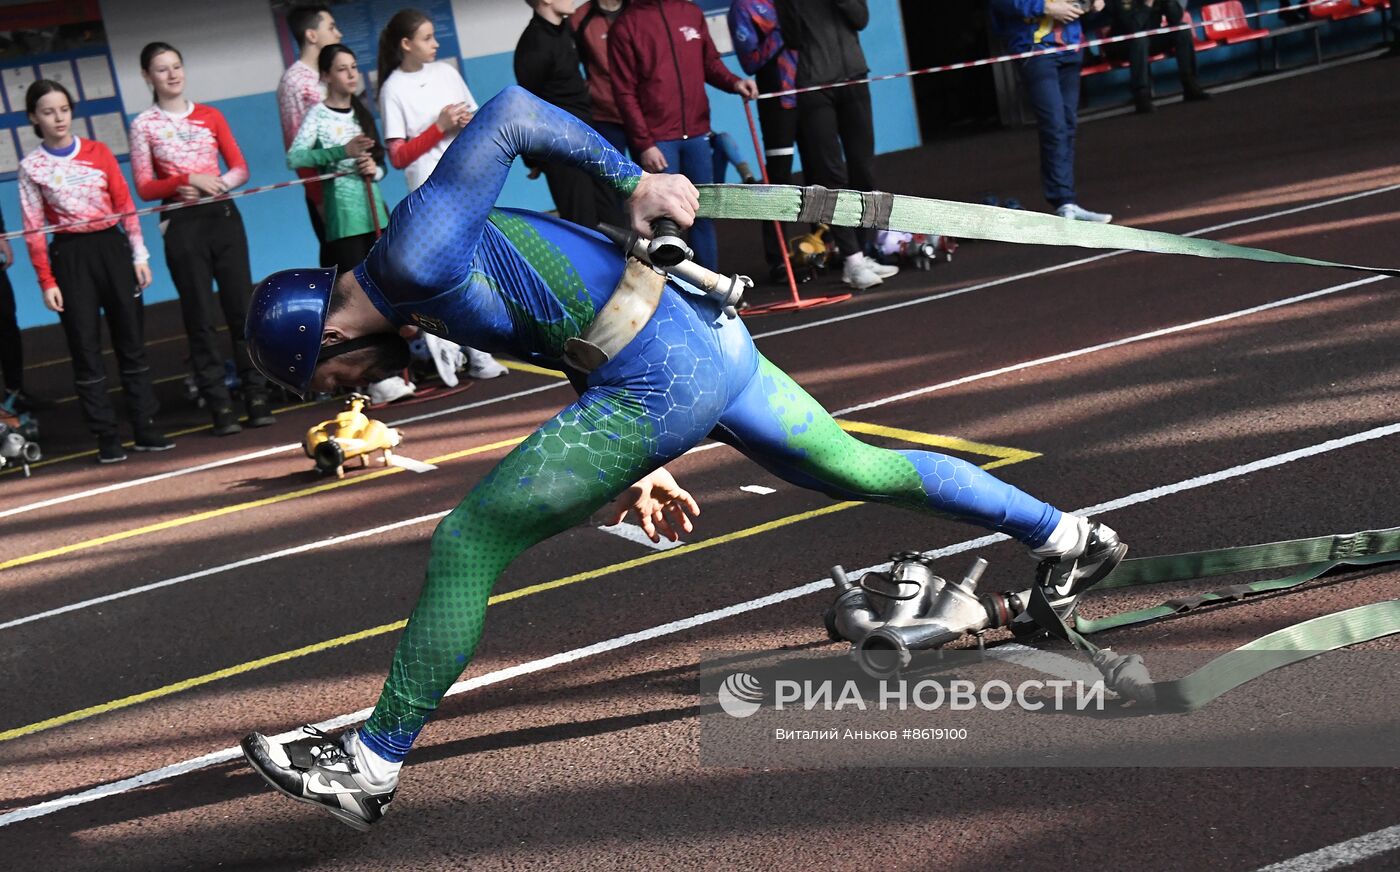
(1066, 578)
(318, 769)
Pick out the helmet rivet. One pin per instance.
(312, 286)
(302, 328)
(298, 357)
(291, 369)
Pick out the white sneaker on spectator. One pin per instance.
(447, 357)
(883, 270)
(392, 388)
(481, 365)
(857, 273)
(1075, 212)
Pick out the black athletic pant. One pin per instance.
(582, 197)
(1137, 16)
(318, 226)
(205, 244)
(11, 349)
(347, 252)
(779, 128)
(829, 124)
(94, 274)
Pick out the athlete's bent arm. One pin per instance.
(464, 187)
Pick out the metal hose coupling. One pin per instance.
(888, 615)
(727, 291)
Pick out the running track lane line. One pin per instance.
(931, 298)
(1003, 454)
(1341, 854)
(185, 520)
(250, 666)
(241, 458)
(1055, 358)
(228, 754)
(1073, 263)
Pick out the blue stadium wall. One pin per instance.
(233, 64)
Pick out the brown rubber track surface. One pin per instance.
(593, 764)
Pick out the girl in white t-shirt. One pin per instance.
(423, 103)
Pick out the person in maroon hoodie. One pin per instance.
(661, 55)
(591, 22)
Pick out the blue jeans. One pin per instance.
(694, 158)
(727, 154)
(1052, 84)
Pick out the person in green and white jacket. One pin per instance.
(339, 134)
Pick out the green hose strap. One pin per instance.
(1247, 558)
(968, 221)
(1253, 659)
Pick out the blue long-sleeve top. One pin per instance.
(1023, 25)
(500, 280)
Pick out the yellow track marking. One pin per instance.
(240, 507)
(89, 453)
(1005, 456)
(522, 366)
(305, 650)
(251, 665)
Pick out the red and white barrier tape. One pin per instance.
(1041, 52)
(170, 207)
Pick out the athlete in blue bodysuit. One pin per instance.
(521, 283)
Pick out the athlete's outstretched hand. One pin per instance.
(660, 504)
(662, 195)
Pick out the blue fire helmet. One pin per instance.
(284, 326)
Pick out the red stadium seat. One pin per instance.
(1204, 44)
(1339, 10)
(1225, 22)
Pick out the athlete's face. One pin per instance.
(53, 115)
(422, 46)
(362, 367)
(344, 75)
(166, 75)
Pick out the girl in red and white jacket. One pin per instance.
(90, 268)
(175, 149)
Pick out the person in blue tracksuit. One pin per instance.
(1052, 84)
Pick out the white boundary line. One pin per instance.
(1073, 263)
(228, 461)
(640, 537)
(227, 754)
(1342, 854)
(633, 533)
(793, 329)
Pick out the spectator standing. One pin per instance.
(301, 87)
(661, 56)
(339, 135)
(547, 65)
(1133, 16)
(91, 269)
(1052, 86)
(758, 42)
(12, 341)
(176, 145)
(835, 127)
(591, 22)
(424, 103)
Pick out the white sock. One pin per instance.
(375, 769)
(1067, 536)
(856, 259)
